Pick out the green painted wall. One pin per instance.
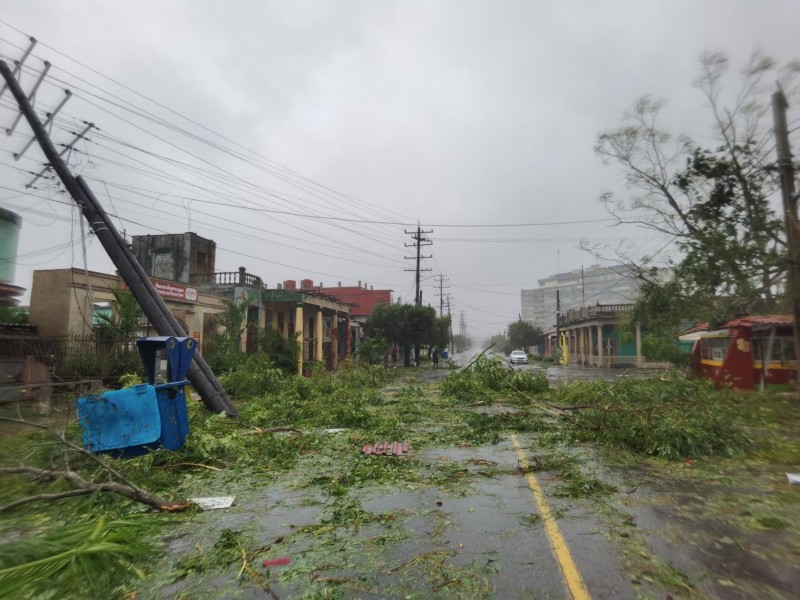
(10, 224)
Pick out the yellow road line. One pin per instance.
(572, 577)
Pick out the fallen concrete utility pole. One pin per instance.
(153, 306)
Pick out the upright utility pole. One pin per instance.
(583, 288)
(441, 279)
(786, 169)
(558, 324)
(209, 388)
(419, 240)
(452, 342)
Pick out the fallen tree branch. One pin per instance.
(259, 430)
(87, 487)
(62, 440)
(122, 486)
(43, 497)
(188, 464)
(481, 353)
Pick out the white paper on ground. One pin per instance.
(793, 478)
(216, 502)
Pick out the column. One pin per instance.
(298, 330)
(582, 344)
(318, 335)
(639, 359)
(335, 339)
(599, 344)
(348, 335)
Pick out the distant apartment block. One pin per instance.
(595, 285)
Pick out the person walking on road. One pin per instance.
(435, 358)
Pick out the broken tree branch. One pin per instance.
(77, 481)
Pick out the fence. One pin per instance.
(66, 358)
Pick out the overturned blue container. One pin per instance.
(144, 417)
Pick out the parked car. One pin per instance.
(518, 356)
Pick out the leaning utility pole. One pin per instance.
(419, 241)
(200, 375)
(786, 169)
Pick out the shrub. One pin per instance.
(256, 376)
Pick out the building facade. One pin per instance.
(577, 288)
(68, 302)
(181, 257)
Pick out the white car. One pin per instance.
(518, 356)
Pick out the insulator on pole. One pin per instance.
(18, 63)
(78, 137)
(31, 96)
(50, 117)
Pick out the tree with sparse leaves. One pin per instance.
(713, 203)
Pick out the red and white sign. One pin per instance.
(171, 290)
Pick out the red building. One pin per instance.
(360, 298)
(735, 353)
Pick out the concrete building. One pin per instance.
(589, 287)
(66, 302)
(320, 322)
(362, 299)
(181, 257)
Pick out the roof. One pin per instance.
(767, 321)
(753, 322)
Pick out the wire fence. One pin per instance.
(28, 359)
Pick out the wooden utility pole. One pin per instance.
(786, 169)
(204, 381)
(441, 279)
(558, 325)
(419, 240)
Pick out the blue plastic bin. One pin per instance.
(121, 419)
(171, 399)
(144, 417)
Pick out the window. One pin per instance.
(714, 348)
(163, 265)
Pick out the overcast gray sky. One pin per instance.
(442, 113)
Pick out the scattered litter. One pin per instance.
(334, 430)
(216, 502)
(278, 562)
(793, 478)
(387, 448)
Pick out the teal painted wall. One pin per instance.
(623, 348)
(9, 239)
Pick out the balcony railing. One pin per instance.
(587, 312)
(235, 278)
